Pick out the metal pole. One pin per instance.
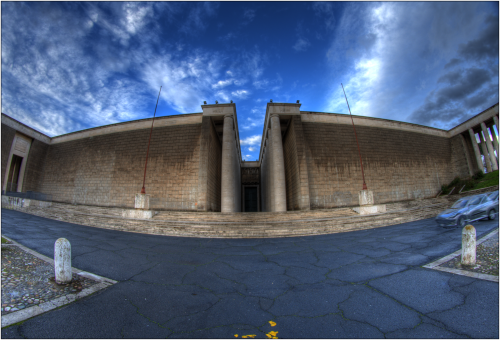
(355, 135)
(143, 190)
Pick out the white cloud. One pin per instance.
(186, 83)
(222, 95)
(251, 149)
(251, 123)
(389, 56)
(77, 69)
(260, 84)
(136, 13)
(253, 140)
(222, 83)
(301, 45)
(198, 16)
(241, 94)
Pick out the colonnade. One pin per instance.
(488, 147)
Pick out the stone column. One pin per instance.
(477, 153)
(228, 201)
(495, 136)
(485, 153)
(272, 191)
(495, 140)
(278, 165)
(491, 152)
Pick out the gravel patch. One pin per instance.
(28, 281)
(486, 259)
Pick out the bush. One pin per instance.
(455, 182)
(478, 175)
(469, 184)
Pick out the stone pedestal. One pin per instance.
(366, 197)
(135, 213)
(142, 201)
(366, 205)
(141, 208)
(370, 209)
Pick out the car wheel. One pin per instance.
(461, 222)
(491, 214)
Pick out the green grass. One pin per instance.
(4, 241)
(489, 180)
(475, 182)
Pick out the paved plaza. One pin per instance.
(361, 284)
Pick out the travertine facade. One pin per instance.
(308, 160)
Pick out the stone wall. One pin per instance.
(8, 134)
(108, 169)
(470, 150)
(297, 182)
(35, 166)
(399, 165)
(459, 158)
(214, 155)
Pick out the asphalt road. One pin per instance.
(362, 284)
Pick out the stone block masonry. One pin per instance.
(35, 165)
(8, 134)
(461, 162)
(297, 183)
(107, 170)
(399, 165)
(308, 160)
(209, 182)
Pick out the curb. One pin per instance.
(436, 264)
(24, 314)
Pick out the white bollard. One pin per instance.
(469, 245)
(62, 261)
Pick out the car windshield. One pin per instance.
(475, 201)
(460, 204)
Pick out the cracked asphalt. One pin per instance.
(361, 284)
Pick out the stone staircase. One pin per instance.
(242, 225)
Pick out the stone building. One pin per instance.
(308, 160)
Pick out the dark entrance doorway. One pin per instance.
(15, 168)
(251, 199)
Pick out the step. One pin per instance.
(252, 226)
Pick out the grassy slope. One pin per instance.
(488, 180)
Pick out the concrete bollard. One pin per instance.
(62, 261)
(469, 245)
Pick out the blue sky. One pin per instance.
(68, 66)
